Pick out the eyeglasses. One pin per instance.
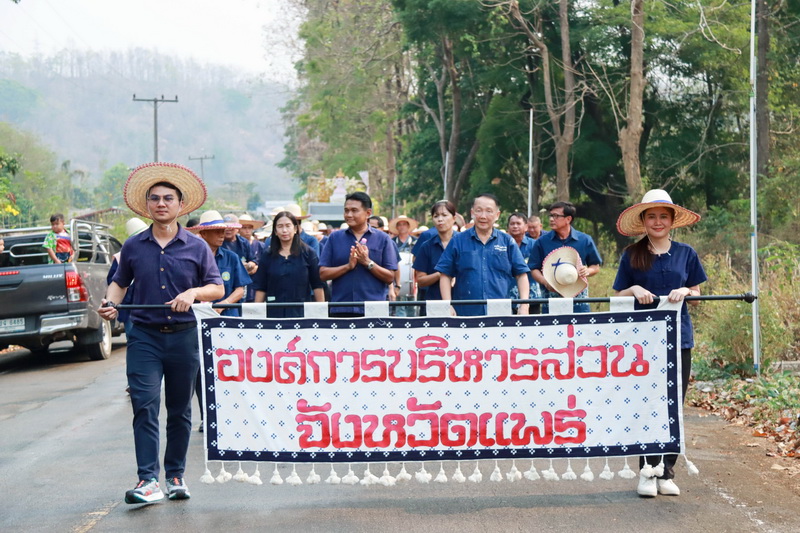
(487, 212)
(556, 215)
(156, 199)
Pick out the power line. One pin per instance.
(155, 101)
(202, 158)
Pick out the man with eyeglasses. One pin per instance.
(483, 261)
(174, 269)
(563, 234)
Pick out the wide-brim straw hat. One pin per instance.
(212, 220)
(560, 269)
(412, 224)
(135, 226)
(296, 210)
(420, 230)
(192, 188)
(247, 220)
(630, 221)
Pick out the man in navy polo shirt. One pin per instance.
(563, 234)
(483, 262)
(172, 267)
(360, 260)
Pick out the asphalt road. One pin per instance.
(66, 459)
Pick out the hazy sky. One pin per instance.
(230, 32)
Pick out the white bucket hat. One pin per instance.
(560, 269)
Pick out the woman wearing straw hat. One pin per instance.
(658, 266)
(172, 267)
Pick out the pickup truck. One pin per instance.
(41, 303)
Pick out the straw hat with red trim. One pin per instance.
(247, 220)
(560, 269)
(142, 179)
(630, 221)
(412, 224)
(212, 220)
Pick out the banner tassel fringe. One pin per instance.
(276, 478)
(255, 478)
(647, 470)
(626, 472)
(587, 475)
(333, 478)
(607, 474)
(441, 477)
(403, 475)
(207, 477)
(313, 478)
(569, 475)
(350, 478)
(531, 474)
(293, 479)
(369, 478)
(550, 473)
(658, 471)
(240, 476)
(496, 474)
(458, 475)
(224, 476)
(387, 480)
(514, 474)
(423, 476)
(476, 476)
(693, 471)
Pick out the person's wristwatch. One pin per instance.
(370, 265)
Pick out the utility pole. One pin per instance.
(155, 101)
(201, 158)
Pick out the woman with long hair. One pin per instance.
(658, 266)
(288, 271)
(425, 259)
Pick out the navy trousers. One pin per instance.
(154, 357)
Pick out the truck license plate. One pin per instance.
(10, 325)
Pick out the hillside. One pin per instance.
(80, 104)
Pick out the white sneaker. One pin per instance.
(647, 487)
(668, 487)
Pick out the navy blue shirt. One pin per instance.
(549, 241)
(358, 285)
(424, 236)
(162, 274)
(482, 271)
(311, 241)
(287, 279)
(241, 247)
(425, 260)
(680, 267)
(233, 276)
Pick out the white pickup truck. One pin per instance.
(41, 303)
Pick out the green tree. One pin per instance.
(109, 191)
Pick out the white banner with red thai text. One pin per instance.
(442, 388)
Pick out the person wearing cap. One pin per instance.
(483, 261)
(174, 269)
(653, 266)
(288, 270)
(238, 244)
(211, 228)
(562, 233)
(360, 260)
(134, 226)
(247, 231)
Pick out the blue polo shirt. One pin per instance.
(233, 276)
(241, 247)
(550, 241)
(423, 237)
(482, 271)
(358, 285)
(679, 268)
(310, 240)
(162, 274)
